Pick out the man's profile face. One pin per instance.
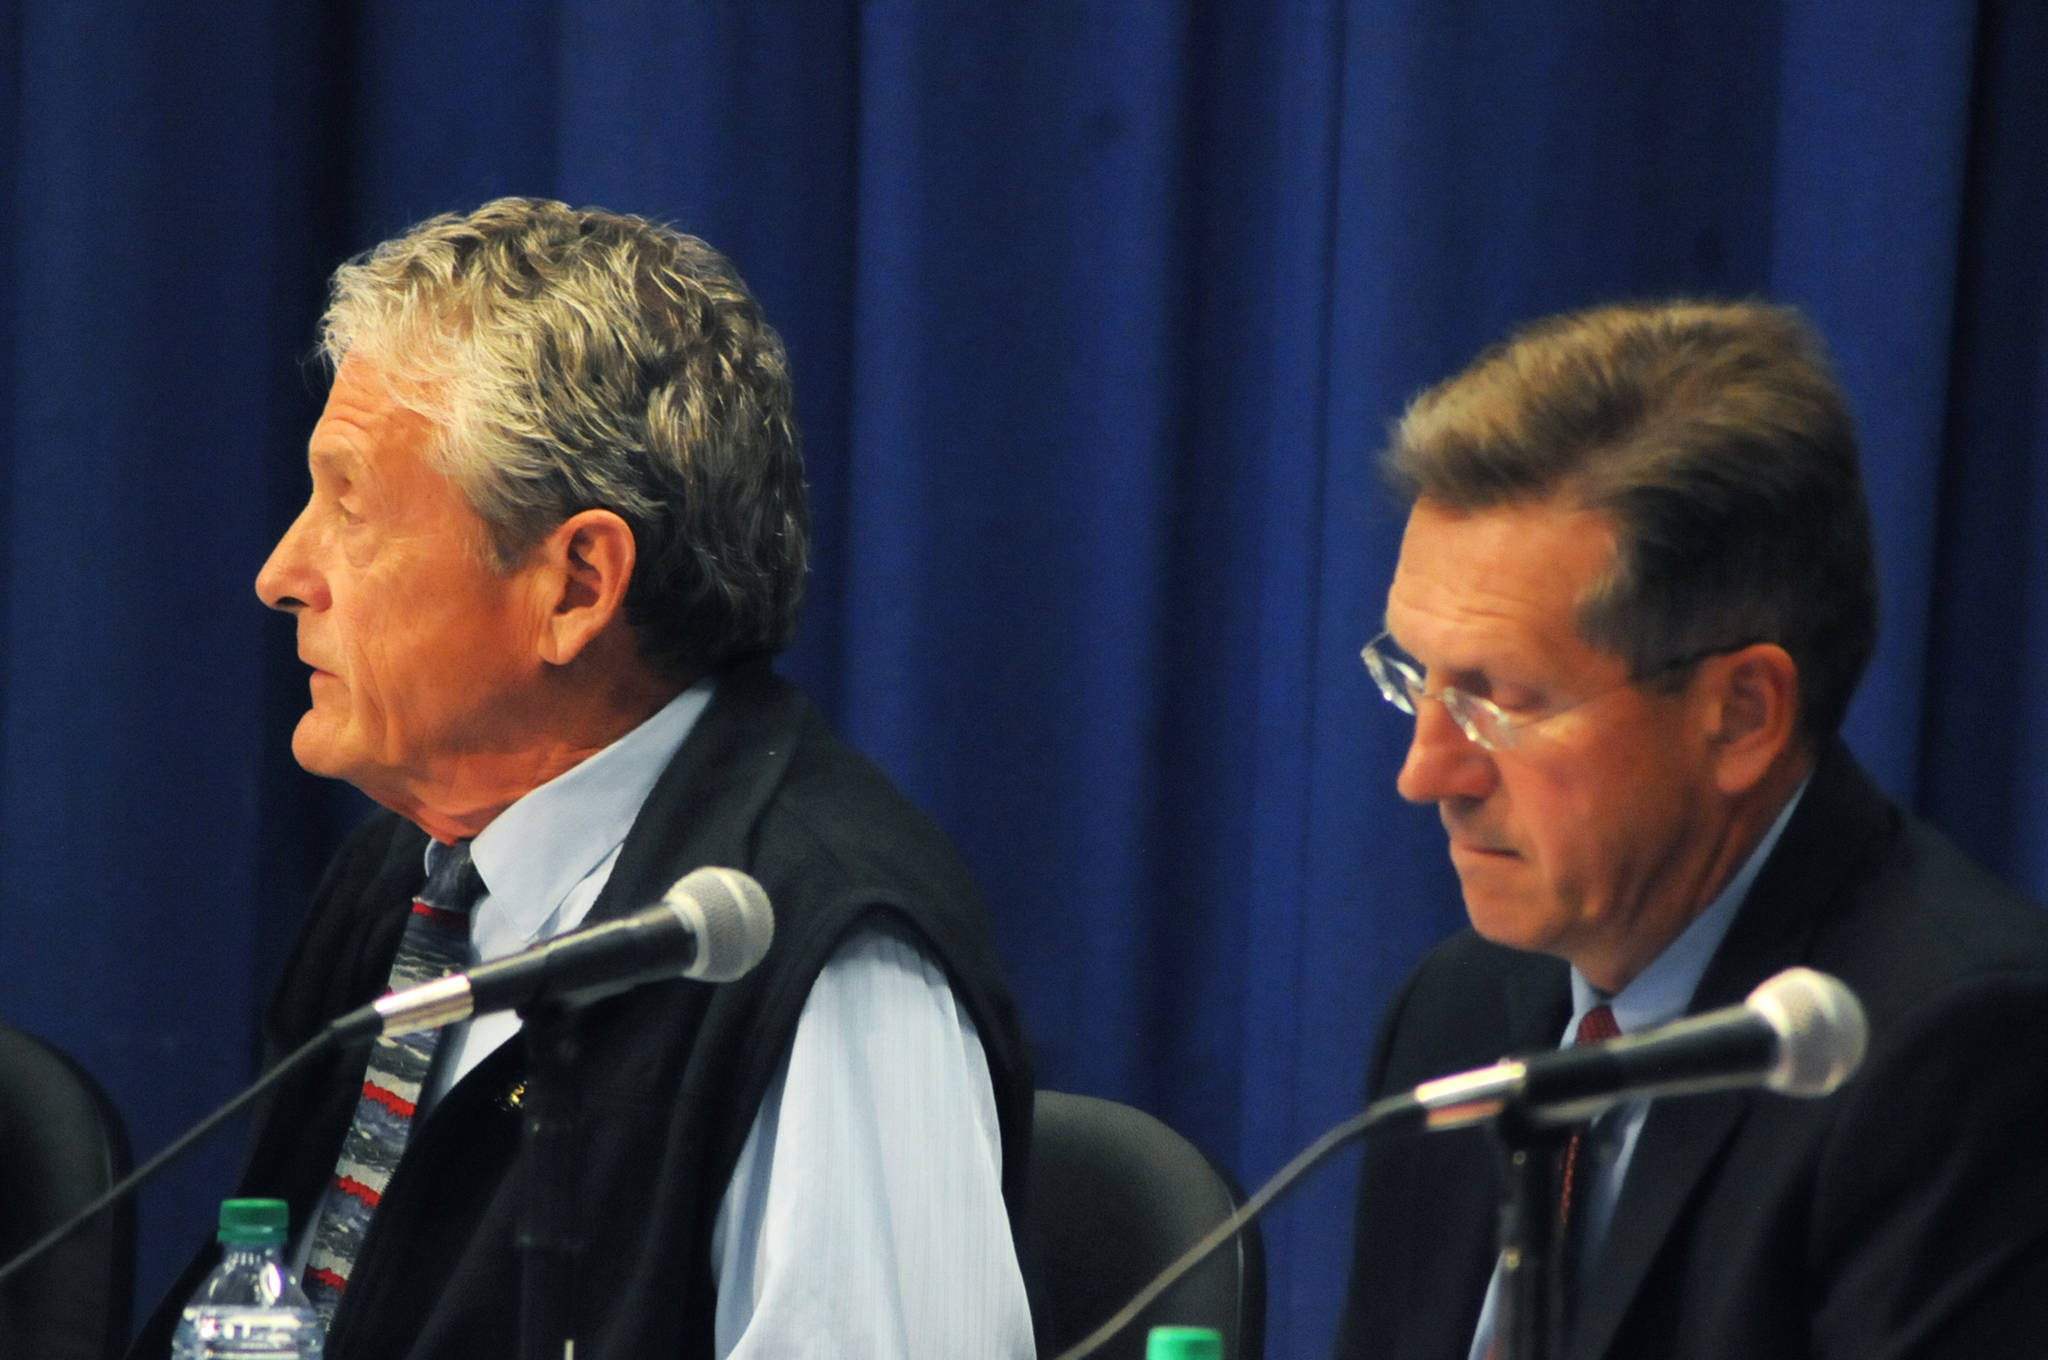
(420, 649)
(1581, 838)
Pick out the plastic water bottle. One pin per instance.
(250, 1308)
(1184, 1343)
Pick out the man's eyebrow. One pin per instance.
(1456, 675)
(1476, 681)
(332, 460)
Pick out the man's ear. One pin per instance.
(589, 562)
(1753, 710)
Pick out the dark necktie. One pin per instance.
(1596, 1026)
(1576, 1179)
(436, 942)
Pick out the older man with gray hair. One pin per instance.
(557, 528)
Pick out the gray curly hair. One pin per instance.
(572, 359)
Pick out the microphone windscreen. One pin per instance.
(1821, 1029)
(728, 914)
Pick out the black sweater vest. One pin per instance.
(672, 1074)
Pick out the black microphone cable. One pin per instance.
(310, 1049)
(1819, 1033)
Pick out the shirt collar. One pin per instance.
(535, 851)
(1661, 992)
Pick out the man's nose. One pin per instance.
(287, 579)
(1442, 761)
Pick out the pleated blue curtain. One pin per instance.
(1098, 313)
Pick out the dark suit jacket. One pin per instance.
(671, 1075)
(1907, 1215)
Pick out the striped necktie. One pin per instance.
(436, 942)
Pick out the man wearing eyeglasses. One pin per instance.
(1634, 597)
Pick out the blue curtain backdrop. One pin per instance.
(1098, 312)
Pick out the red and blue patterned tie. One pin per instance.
(436, 942)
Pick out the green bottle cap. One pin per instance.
(253, 1222)
(1184, 1343)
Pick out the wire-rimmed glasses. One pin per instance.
(1485, 723)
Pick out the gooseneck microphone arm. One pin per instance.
(712, 925)
(1800, 1033)
(1309, 1158)
(298, 1058)
(1388, 1110)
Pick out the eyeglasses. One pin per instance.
(1485, 723)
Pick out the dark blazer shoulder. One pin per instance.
(1468, 1002)
(1756, 1224)
(1861, 888)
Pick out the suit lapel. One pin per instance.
(1672, 1154)
(1830, 832)
(1538, 1003)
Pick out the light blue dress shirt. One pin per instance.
(1655, 996)
(865, 1217)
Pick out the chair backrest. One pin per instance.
(1115, 1197)
(62, 1143)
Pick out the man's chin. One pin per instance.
(317, 746)
(1512, 922)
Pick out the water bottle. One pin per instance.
(1184, 1343)
(250, 1308)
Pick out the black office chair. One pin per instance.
(61, 1144)
(1115, 1197)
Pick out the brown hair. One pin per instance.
(1715, 438)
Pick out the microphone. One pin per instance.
(713, 925)
(1800, 1033)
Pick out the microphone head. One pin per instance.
(1820, 1027)
(729, 916)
